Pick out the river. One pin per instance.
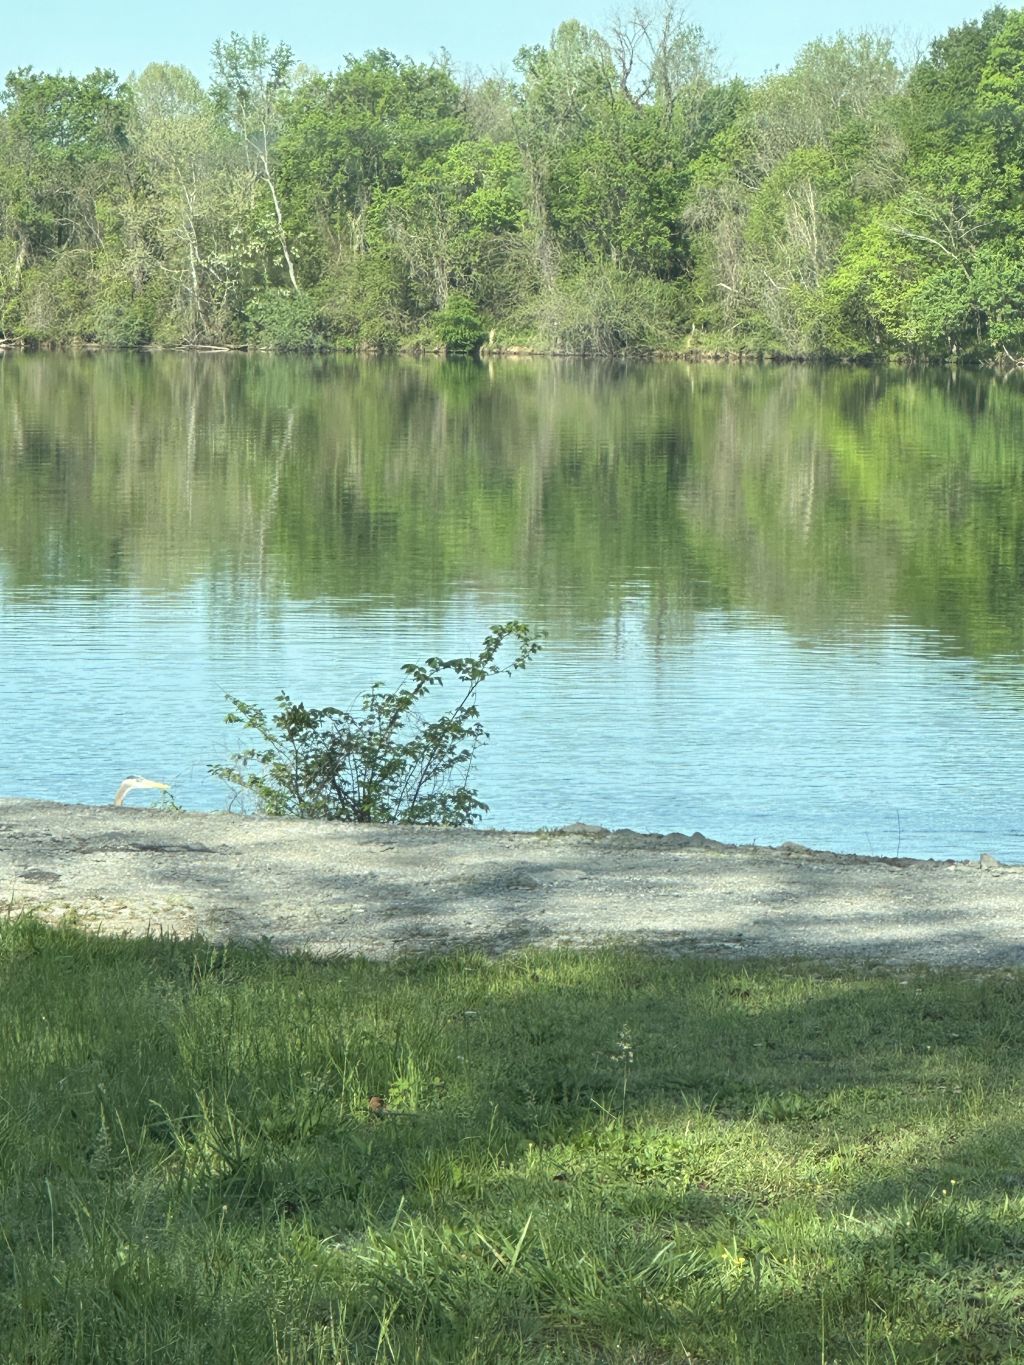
(778, 603)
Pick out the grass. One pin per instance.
(607, 1156)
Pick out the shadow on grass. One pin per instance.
(589, 1153)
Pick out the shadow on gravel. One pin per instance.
(335, 889)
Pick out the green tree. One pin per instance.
(454, 225)
(250, 86)
(936, 271)
(63, 152)
(609, 128)
(63, 143)
(809, 154)
(191, 204)
(940, 110)
(350, 136)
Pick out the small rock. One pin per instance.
(698, 840)
(578, 827)
(790, 847)
(677, 841)
(623, 843)
(987, 860)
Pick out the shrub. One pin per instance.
(53, 300)
(365, 300)
(600, 310)
(385, 763)
(458, 327)
(279, 320)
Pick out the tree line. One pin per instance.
(615, 192)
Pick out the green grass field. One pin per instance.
(600, 1156)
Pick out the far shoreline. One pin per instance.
(768, 357)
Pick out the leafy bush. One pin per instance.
(600, 310)
(365, 300)
(123, 313)
(385, 763)
(279, 320)
(458, 327)
(54, 299)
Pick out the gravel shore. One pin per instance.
(377, 890)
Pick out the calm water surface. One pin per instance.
(779, 604)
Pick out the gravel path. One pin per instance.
(331, 888)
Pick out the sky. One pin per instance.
(750, 37)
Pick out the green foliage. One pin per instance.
(53, 300)
(62, 141)
(457, 326)
(600, 310)
(779, 193)
(939, 112)
(453, 227)
(250, 87)
(365, 298)
(121, 315)
(279, 320)
(998, 287)
(935, 271)
(187, 229)
(388, 763)
(294, 210)
(609, 128)
(351, 136)
(614, 196)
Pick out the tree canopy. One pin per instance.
(616, 192)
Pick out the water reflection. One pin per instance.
(780, 603)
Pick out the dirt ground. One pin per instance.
(378, 890)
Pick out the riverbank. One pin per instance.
(332, 889)
(712, 354)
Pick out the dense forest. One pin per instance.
(613, 193)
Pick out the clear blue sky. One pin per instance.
(751, 37)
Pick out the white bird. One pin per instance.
(131, 784)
